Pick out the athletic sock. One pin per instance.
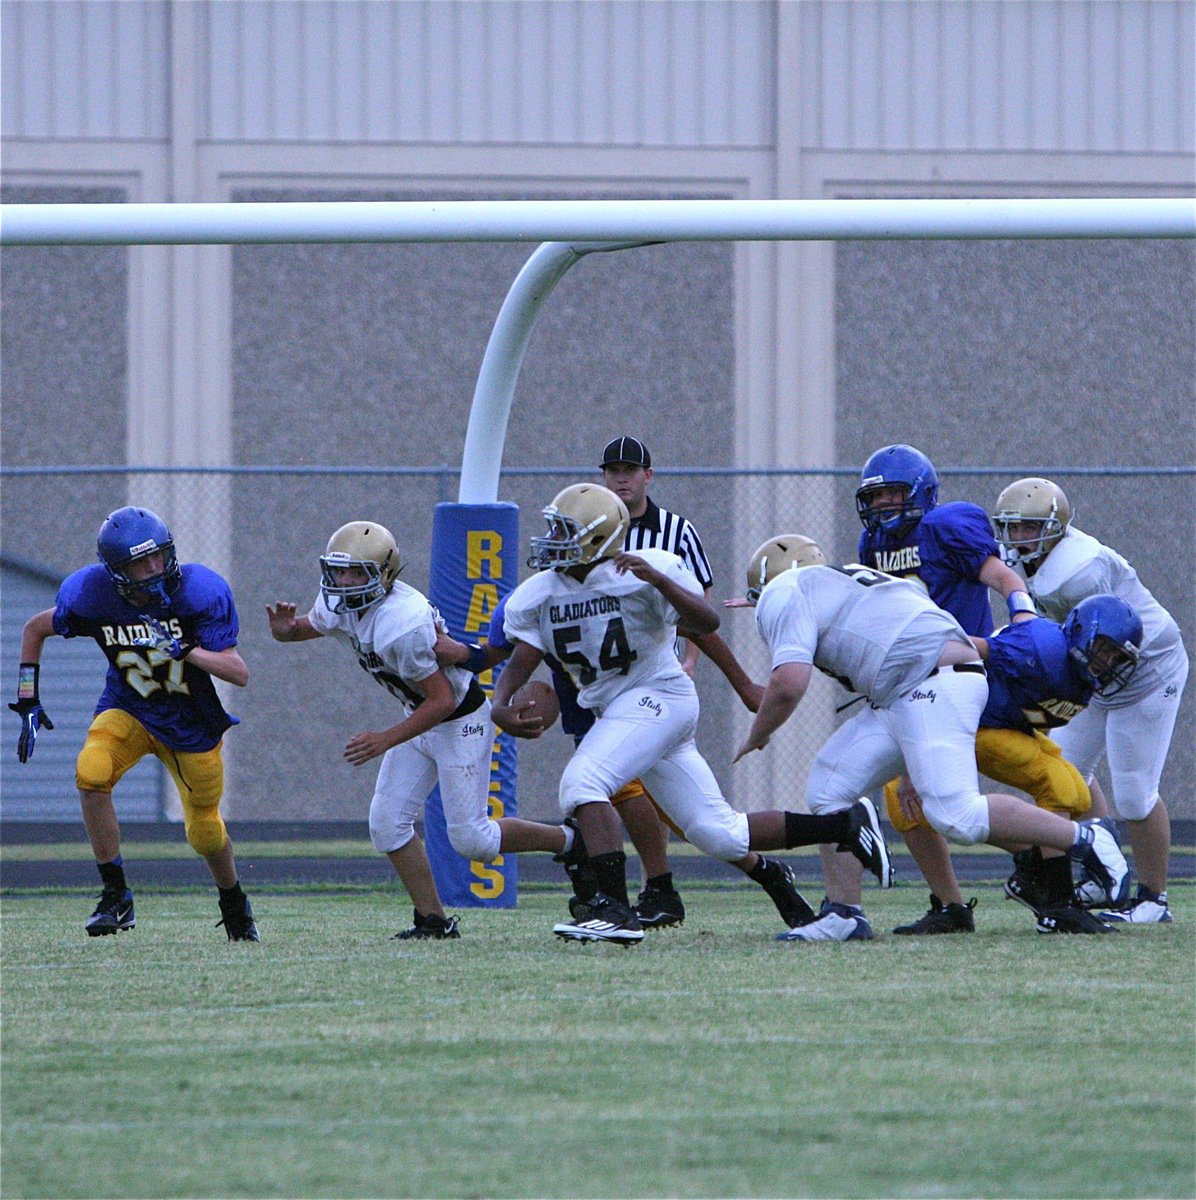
(231, 896)
(113, 875)
(806, 829)
(1056, 877)
(610, 870)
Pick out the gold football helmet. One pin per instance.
(779, 554)
(1032, 515)
(586, 522)
(363, 544)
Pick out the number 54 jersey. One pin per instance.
(610, 632)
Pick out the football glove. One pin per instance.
(29, 708)
(159, 638)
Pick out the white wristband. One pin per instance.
(1020, 602)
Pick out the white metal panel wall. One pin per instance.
(605, 72)
(82, 69)
(1086, 76)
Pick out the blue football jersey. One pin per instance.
(575, 720)
(945, 550)
(174, 700)
(1033, 681)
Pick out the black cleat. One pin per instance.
(429, 927)
(942, 918)
(867, 842)
(603, 920)
(657, 910)
(778, 882)
(113, 913)
(237, 919)
(1069, 918)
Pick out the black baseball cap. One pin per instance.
(626, 450)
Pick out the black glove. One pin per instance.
(29, 708)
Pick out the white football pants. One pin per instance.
(1136, 736)
(930, 733)
(455, 754)
(648, 733)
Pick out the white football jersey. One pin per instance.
(394, 641)
(610, 632)
(876, 634)
(1079, 566)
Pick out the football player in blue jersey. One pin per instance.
(950, 549)
(1040, 675)
(167, 630)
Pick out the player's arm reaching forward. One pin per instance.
(694, 612)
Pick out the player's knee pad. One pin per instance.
(206, 833)
(476, 841)
(95, 768)
(1133, 804)
(727, 840)
(962, 819)
(629, 791)
(897, 818)
(582, 783)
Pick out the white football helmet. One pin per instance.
(363, 544)
(1037, 503)
(586, 522)
(779, 554)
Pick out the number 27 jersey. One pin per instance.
(610, 632)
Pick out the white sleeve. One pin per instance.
(523, 625)
(319, 617)
(413, 654)
(786, 623)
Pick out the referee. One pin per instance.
(627, 470)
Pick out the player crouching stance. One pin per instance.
(611, 619)
(167, 630)
(445, 735)
(884, 638)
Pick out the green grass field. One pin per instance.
(709, 1061)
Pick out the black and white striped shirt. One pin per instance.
(659, 529)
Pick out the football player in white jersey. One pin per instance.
(611, 619)
(445, 735)
(926, 689)
(1063, 566)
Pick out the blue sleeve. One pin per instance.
(208, 600)
(959, 534)
(73, 612)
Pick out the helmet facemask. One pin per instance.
(892, 517)
(155, 589)
(1111, 664)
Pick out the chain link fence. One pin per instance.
(264, 527)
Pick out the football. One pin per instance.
(543, 696)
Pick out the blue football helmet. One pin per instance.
(1104, 635)
(132, 533)
(896, 466)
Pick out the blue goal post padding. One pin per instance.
(475, 562)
